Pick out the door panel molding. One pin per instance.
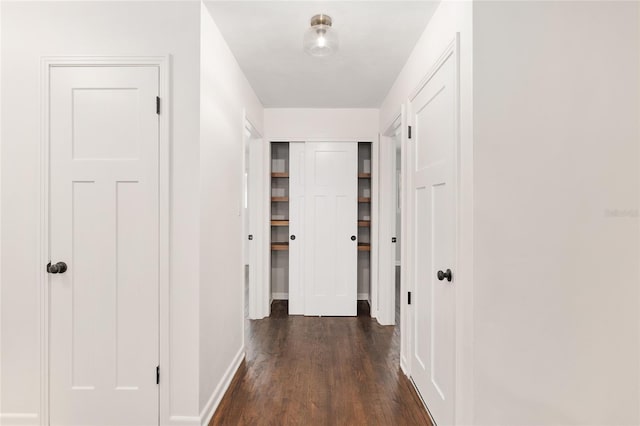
(330, 255)
(46, 65)
(375, 144)
(450, 53)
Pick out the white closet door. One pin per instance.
(104, 225)
(296, 227)
(433, 168)
(331, 210)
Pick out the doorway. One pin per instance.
(106, 234)
(433, 206)
(252, 235)
(390, 220)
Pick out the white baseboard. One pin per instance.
(279, 296)
(218, 393)
(184, 421)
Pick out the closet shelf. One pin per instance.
(364, 175)
(364, 223)
(364, 247)
(364, 199)
(279, 246)
(280, 174)
(279, 199)
(279, 223)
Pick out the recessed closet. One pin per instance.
(320, 219)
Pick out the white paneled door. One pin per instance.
(433, 166)
(104, 225)
(331, 204)
(296, 227)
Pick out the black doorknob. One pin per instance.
(250, 237)
(57, 268)
(353, 238)
(443, 275)
(293, 237)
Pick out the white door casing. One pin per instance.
(253, 151)
(246, 194)
(331, 189)
(389, 239)
(296, 228)
(434, 141)
(104, 222)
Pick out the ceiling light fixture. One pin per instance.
(320, 39)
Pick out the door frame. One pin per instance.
(256, 277)
(266, 223)
(388, 178)
(164, 210)
(462, 318)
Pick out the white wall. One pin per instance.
(31, 30)
(557, 183)
(549, 200)
(300, 124)
(451, 18)
(225, 94)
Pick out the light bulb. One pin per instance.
(321, 39)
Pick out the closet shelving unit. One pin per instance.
(279, 196)
(364, 198)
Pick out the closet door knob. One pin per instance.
(443, 275)
(353, 238)
(57, 268)
(250, 237)
(293, 237)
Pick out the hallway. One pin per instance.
(320, 371)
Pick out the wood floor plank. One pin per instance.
(320, 371)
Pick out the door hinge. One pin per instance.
(157, 375)
(158, 105)
(409, 298)
(409, 132)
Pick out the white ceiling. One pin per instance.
(376, 38)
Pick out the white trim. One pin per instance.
(256, 279)
(212, 404)
(405, 283)
(451, 51)
(394, 127)
(264, 298)
(184, 421)
(374, 139)
(164, 212)
(369, 138)
(279, 296)
(387, 210)
(374, 300)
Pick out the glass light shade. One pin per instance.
(320, 40)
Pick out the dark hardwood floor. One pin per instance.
(320, 371)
